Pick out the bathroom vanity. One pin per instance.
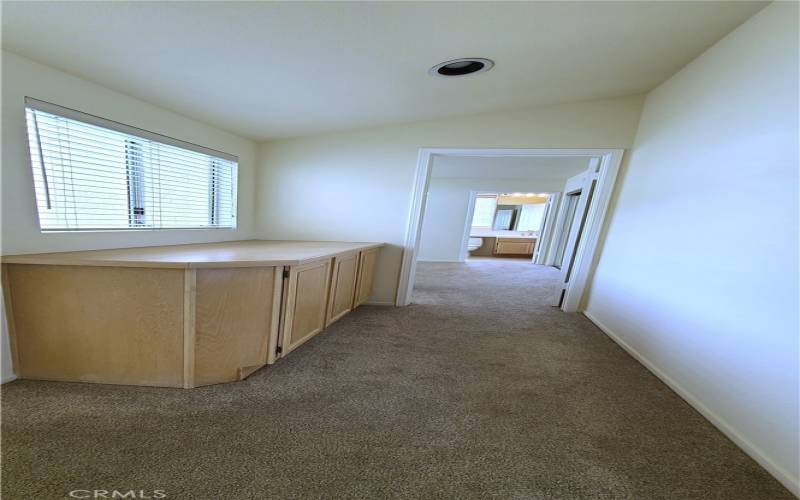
(503, 244)
(177, 316)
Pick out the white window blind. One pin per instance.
(531, 217)
(484, 211)
(94, 174)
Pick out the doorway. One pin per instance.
(599, 181)
(504, 225)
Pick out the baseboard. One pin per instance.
(8, 378)
(791, 483)
(441, 260)
(379, 303)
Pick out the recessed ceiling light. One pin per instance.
(461, 67)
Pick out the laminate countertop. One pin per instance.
(506, 236)
(247, 253)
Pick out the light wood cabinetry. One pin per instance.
(514, 246)
(184, 316)
(306, 303)
(235, 315)
(343, 286)
(97, 324)
(366, 275)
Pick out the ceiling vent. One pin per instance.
(462, 67)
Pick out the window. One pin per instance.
(94, 174)
(484, 211)
(531, 217)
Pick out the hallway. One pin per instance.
(480, 389)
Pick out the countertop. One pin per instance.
(509, 236)
(247, 253)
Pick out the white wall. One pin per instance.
(20, 231)
(447, 206)
(358, 185)
(704, 292)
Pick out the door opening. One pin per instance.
(573, 247)
(499, 225)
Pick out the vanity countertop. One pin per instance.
(502, 234)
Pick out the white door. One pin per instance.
(576, 205)
(545, 247)
(570, 206)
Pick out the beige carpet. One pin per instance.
(480, 390)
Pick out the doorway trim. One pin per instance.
(546, 234)
(605, 174)
(464, 250)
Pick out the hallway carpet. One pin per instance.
(479, 390)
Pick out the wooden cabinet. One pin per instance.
(343, 286)
(178, 316)
(366, 275)
(139, 326)
(236, 313)
(514, 246)
(319, 293)
(306, 303)
(110, 325)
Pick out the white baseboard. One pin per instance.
(441, 260)
(379, 303)
(8, 378)
(791, 483)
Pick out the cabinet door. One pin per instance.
(306, 303)
(366, 273)
(235, 313)
(343, 285)
(513, 246)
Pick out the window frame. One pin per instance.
(135, 184)
(494, 210)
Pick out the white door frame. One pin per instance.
(605, 175)
(561, 220)
(462, 252)
(577, 226)
(546, 234)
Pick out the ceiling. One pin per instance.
(531, 168)
(278, 69)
